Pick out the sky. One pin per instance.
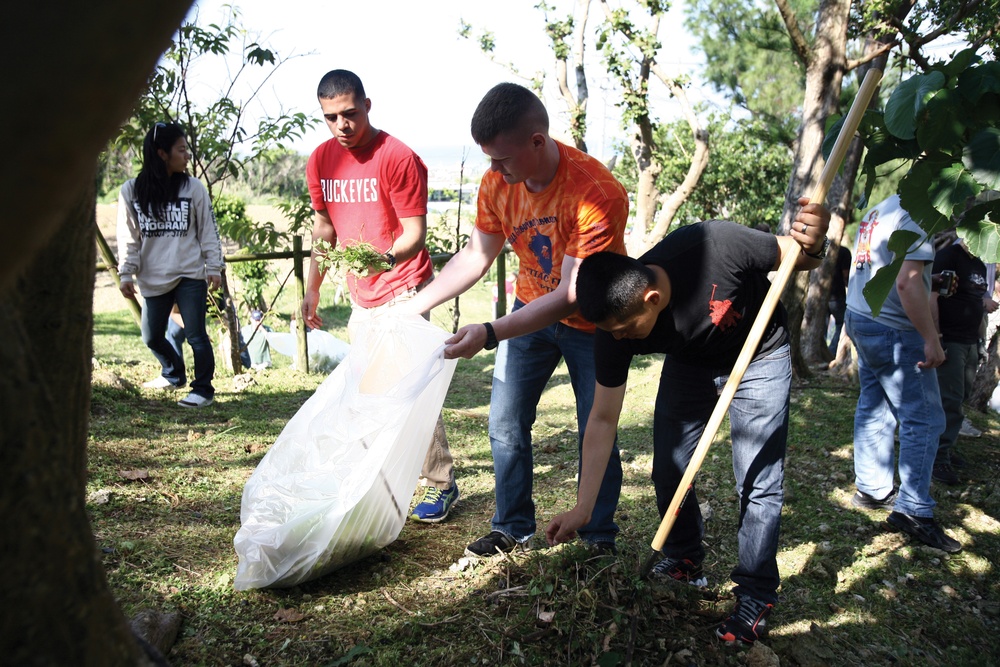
(423, 79)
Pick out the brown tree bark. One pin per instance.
(824, 74)
(812, 342)
(76, 71)
(988, 376)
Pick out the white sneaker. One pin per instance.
(162, 383)
(194, 400)
(968, 430)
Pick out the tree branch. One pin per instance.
(799, 44)
(868, 57)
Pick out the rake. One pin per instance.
(847, 130)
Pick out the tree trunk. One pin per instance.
(646, 194)
(988, 375)
(824, 74)
(671, 202)
(816, 316)
(58, 609)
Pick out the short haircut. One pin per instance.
(508, 108)
(340, 82)
(609, 285)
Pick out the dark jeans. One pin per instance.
(523, 367)
(190, 295)
(955, 378)
(758, 417)
(837, 310)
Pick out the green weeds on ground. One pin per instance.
(852, 593)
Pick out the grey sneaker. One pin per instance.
(968, 430)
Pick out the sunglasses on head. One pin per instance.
(157, 128)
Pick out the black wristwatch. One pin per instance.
(822, 251)
(491, 337)
(390, 259)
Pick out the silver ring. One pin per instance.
(804, 227)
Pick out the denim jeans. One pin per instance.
(523, 367)
(955, 379)
(894, 390)
(758, 417)
(190, 295)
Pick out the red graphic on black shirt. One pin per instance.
(722, 313)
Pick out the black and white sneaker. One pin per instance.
(492, 545)
(747, 623)
(681, 569)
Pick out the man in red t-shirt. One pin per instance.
(368, 186)
(555, 205)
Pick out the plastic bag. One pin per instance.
(336, 485)
(325, 349)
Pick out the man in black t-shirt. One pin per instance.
(695, 296)
(959, 318)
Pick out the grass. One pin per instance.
(852, 593)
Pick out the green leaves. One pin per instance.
(945, 123)
(907, 102)
(982, 157)
(360, 258)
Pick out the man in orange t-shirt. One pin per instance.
(555, 205)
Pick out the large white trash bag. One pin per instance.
(336, 485)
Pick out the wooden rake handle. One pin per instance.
(847, 131)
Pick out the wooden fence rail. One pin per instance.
(298, 256)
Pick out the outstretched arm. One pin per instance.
(598, 441)
(460, 273)
(539, 313)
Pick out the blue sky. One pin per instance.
(423, 79)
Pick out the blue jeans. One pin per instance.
(190, 295)
(523, 367)
(758, 417)
(175, 336)
(894, 390)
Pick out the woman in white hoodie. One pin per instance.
(169, 246)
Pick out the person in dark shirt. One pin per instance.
(959, 318)
(837, 302)
(695, 296)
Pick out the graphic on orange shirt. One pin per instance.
(541, 246)
(722, 313)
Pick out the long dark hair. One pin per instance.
(154, 188)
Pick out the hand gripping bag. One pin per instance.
(336, 485)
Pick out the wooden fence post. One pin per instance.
(301, 349)
(109, 259)
(501, 284)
